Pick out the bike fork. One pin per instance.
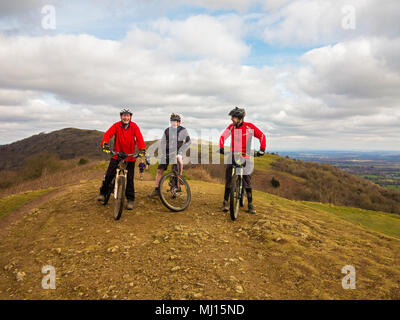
(240, 176)
(240, 181)
(120, 172)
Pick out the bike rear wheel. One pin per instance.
(235, 196)
(119, 199)
(170, 195)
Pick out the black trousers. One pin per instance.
(110, 174)
(246, 184)
(228, 178)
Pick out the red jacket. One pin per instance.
(241, 136)
(125, 139)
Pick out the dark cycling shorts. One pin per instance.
(164, 162)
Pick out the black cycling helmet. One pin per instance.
(123, 111)
(175, 117)
(238, 112)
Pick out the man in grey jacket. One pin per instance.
(174, 143)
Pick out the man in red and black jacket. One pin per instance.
(241, 133)
(127, 136)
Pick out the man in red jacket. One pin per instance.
(242, 133)
(127, 136)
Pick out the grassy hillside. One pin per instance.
(309, 181)
(30, 159)
(326, 183)
(67, 143)
(382, 222)
(288, 250)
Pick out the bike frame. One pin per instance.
(176, 169)
(237, 170)
(238, 164)
(122, 171)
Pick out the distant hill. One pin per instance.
(67, 143)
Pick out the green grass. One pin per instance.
(382, 222)
(395, 187)
(372, 176)
(265, 164)
(153, 169)
(102, 165)
(10, 203)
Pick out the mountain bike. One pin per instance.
(174, 190)
(236, 197)
(118, 184)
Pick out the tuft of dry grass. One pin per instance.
(200, 173)
(69, 172)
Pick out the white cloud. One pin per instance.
(362, 73)
(190, 66)
(196, 37)
(320, 22)
(18, 7)
(345, 88)
(15, 97)
(239, 5)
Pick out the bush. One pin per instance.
(35, 165)
(8, 178)
(275, 183)
(82, 161)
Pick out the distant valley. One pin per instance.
(381, 167)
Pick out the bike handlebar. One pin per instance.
(126, 155)
(255, 154)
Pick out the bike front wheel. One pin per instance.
(174, 192)
(235, 197)
(120, 197)
(242, 198)
(108, 194)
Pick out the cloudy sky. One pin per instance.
(312, 74)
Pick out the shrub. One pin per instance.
(36, 164)
(8, 178)
(82, 161)
(275, 183)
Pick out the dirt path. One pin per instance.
(285, 251)
(18, 214)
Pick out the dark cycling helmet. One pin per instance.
(238, 112)
(125, 111)
(175, 117)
